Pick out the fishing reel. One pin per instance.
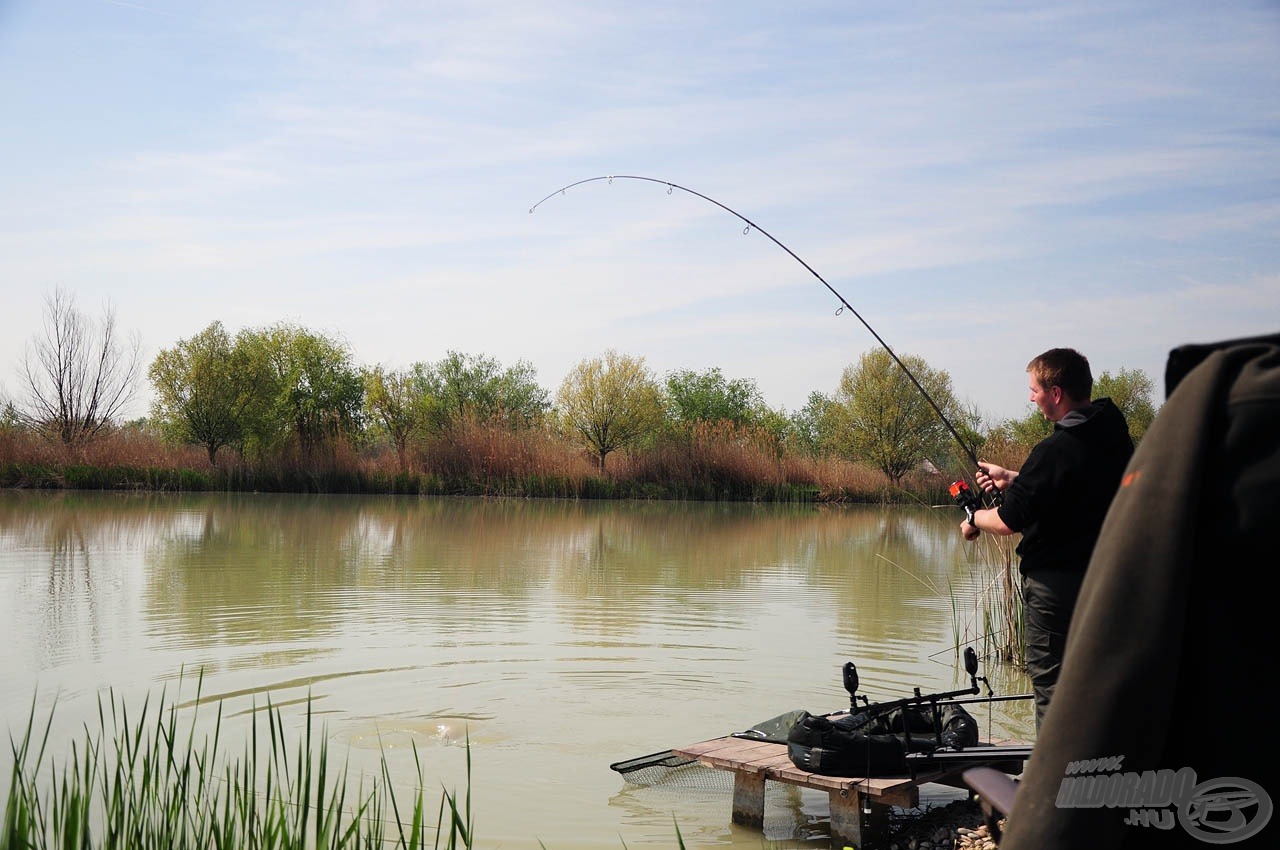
(966, 498)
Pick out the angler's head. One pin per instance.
(1060, 382)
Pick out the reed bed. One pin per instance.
(146, 782)
(716, 461)
(998, 605)
(989, 613)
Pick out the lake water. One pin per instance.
(557, 637)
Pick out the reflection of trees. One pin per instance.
(884, 572)
(69, 582)
(247, 568)
(70, 599)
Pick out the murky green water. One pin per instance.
(559, 637)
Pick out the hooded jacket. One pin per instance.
(1167, 666)
(1062, 492)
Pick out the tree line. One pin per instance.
(283, 389)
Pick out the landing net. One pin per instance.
(670, 770)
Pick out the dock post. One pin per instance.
(748, 799)
(850, 825)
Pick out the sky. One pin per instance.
(980, 181)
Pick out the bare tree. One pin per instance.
(77, 374)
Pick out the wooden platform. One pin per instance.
(753, 762)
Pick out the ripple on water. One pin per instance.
(394, 733)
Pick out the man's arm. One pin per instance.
(986, 519)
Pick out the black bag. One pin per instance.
(844, 748)
(876, 745)
(959, 729)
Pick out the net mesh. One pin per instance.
(672, 771)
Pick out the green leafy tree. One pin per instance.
(1028, 430)
(9, 418)
(773, 421)
(969, 423)
(463, 387)
(610, 402)
(394, 401)
(306, 387)
(805, 427)
(710, 397)
(263, 425)
(879, 416)
(1130, 390)
(200, 391)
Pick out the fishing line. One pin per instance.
(751, 225)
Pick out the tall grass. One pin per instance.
(147, 782)
(1000, 603)
(992, 616)
(711, 461)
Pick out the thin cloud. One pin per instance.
(369, 167)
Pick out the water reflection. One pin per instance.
(248, 569)
(556, 636)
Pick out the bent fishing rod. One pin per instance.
(751, 225)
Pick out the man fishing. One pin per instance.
(1057, 501)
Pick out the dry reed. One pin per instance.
(708, 461)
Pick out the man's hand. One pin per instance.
(968, 531)
(991, 477)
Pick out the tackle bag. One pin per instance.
(875, 745)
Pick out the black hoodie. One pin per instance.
(1168, 658)
(1062, 492)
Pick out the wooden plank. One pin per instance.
(735, 754)
(745, 756)
(897, 791)
(752, 762)
(749, 756)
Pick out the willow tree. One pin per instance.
(306, 387)
(711, 397)
(1130, 390)
(201, 391)
(880, 417)
(393, 401)
(610, 402)
(806, 427)
(475, 388)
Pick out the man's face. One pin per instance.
(1048, 399)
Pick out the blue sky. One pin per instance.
(981, 181)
